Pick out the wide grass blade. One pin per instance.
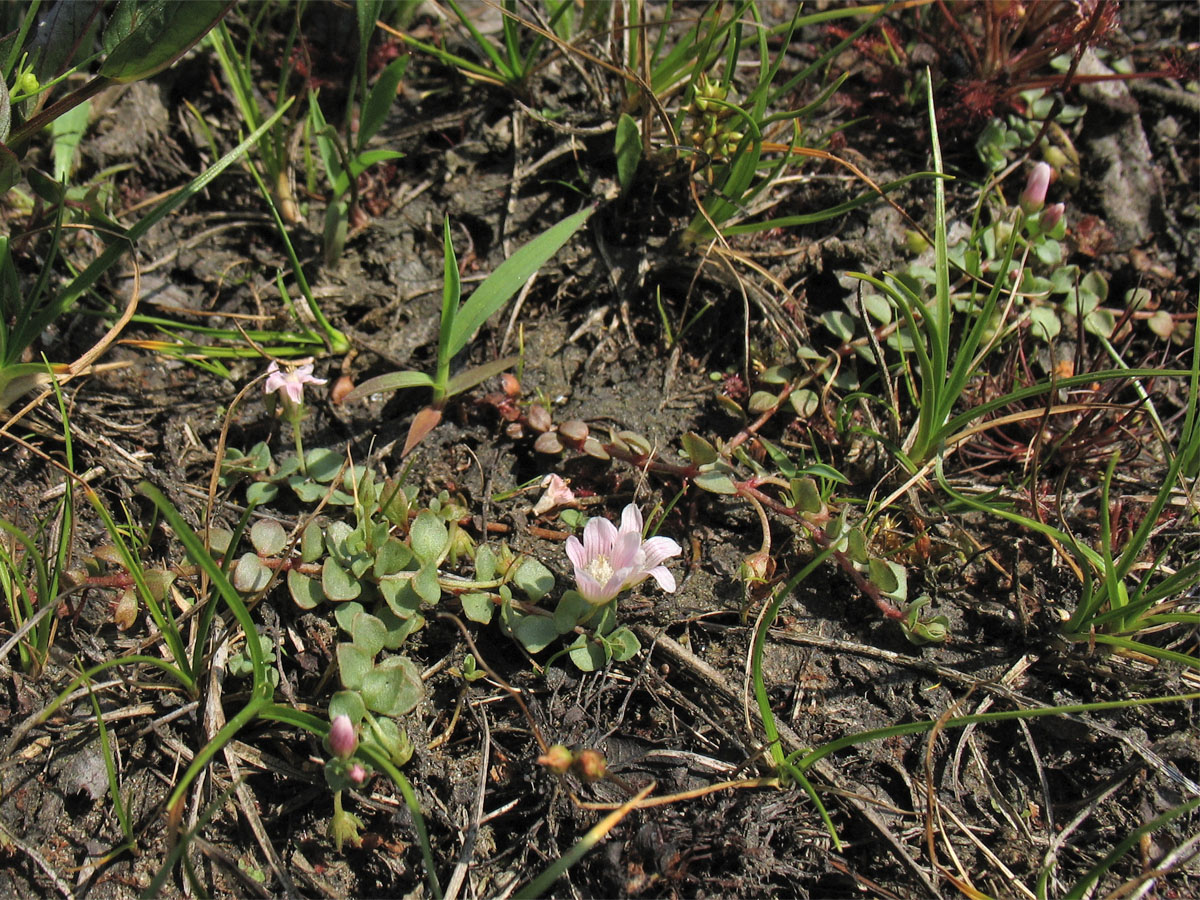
(509, 277)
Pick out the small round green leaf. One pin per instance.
(534, 579)
(368, 633)
(478, 606)
(307, 491)
(312, 542)
(534, 632)
(698, 450)
(571, 608)
(716, 483)
(250, 575)
(589, 655)
(624, 643)
(485, 564)
(398, 629)
(353, 666)
(392, 557)
(268, 537)
(426, 585)
(393, 688)
(839, 322)
(336, 583)
(323, 464)
(805, 402)
(1043, 323)
(430, 537)
(306, 592)
(345, 613)
(347, 703)
(261, 493)
(398, 591)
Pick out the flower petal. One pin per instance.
(577, 555)
(625, 553)
(658, 549)
(663, 576)
(631, 520)
(591, 590)
(598, 537)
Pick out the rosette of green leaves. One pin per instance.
(319, 477)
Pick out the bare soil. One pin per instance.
(916, 815)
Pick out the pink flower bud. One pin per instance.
(356, 773)
(1033, 198)
(1051, 216)
(342, 739)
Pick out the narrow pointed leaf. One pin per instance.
(510, 277)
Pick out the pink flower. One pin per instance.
(342, 739)
(1033, 198)
(290, 383)
(609, 561)
(557, 493)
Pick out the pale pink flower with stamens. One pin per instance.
(291, 382)
(609, 561)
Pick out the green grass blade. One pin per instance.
(164, 618)
(938, 321)
(338, 342)
(89, 276)
(831, 212)
(806, 760)
(503, 70)
(1125, 845)
(464, 381)
(392, 381)
(510, 276)
(451, 294)
(110, 770)
(199, 555)
(1182, 659)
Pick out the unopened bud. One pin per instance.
(916, 242)
(1033, 198)
(1051, 216)
(757, 567)
(557, 759)
(342, 739)
(356, 773)
(341, 387)
(591, 764)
